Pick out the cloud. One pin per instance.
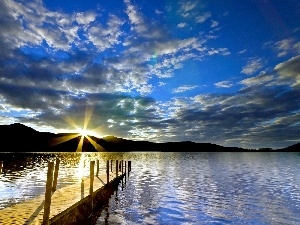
(186, 6)
(30, 23)
(54, 65)
(105, 37)
(223, 84)
(140, 24)
(290, 71)
(240, 119)
(284, 73)
(184, 88)
(214, 23)
(253, 65)
(219, 51)
(287, 46)
(242, 51)
(257, 80)
(181, 25)
(85, 18)
(158, 12)
(111, 113)
(202, 18)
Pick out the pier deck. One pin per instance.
(62, 201)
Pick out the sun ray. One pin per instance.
(97, 131)
(80, 144)
(71, 122)
(84, 132)
(62, 139)
(95, 144)
(87, 117)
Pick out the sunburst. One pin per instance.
(83, 132)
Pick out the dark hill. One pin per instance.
(292, 148)
(20, 138)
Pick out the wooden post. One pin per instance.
(129, 166)
(117, 168)
(125, 167)
(82, 188)
(1, 166)
(55, 175)
(97, 171)
(125, 170)
(48, 193)
(107, 172)
(92, 165)
(122, 167)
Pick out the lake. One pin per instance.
(173, 188)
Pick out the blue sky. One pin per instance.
(225, 72)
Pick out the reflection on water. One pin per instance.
(208, 188)
(175, 188)
(24, 175)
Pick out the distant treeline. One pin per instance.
(20, 138)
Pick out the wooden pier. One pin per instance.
(71, 204)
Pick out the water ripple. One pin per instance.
(217, 188)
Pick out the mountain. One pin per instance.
(20, 138)
(292, 148)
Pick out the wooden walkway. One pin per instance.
(62, 201)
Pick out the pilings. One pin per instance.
(117, 168)
(92, 166)
(55, 175)
(107, 172)
(69, 204)
(1, 166)
(48, 193)
(97, 171)
(95, 193)
(129, 166)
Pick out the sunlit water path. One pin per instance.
(176, 188)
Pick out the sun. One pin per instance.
(84, 132)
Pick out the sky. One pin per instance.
(222, 72)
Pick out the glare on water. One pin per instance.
(175, 188)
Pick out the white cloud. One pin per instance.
(214, 23)
(284, 47)
(257, 80)
(223, 84)
(140, 25)
(202, 18)
(184, 88)
(31, 23)
(290, 71)
(158, 12)
(187, 6)
(105, 37)
(85, 18)
(253, 65)
(219, 51)
(287, 46)
(145, 89)
(181, 25)
(242, 51)
(135, 17)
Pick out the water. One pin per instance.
(180, 188)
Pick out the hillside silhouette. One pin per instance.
(20, 138)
